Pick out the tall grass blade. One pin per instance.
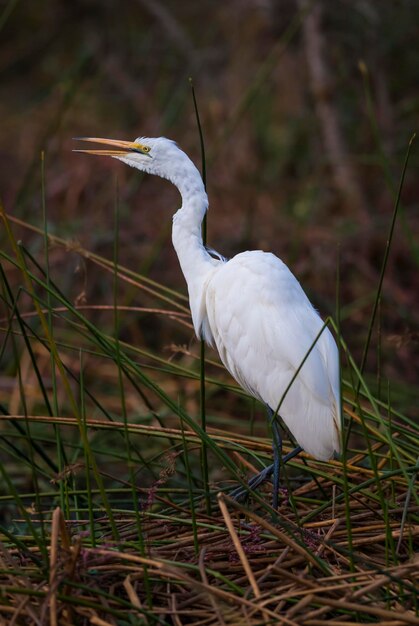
(61, 460)
(385, 258)
(119, 366)
(205, 471)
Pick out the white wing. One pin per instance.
(263, 326)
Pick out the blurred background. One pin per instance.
(307, 111)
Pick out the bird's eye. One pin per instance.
(140, 149)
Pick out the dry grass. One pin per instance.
(238, 567)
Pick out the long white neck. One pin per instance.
(187, 221)
(195, 262)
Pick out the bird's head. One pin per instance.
(157, 155)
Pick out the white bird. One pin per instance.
(253, 310)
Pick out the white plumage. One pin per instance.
(251, 308)
(263, 336)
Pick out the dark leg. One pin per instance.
(273, 469)
(277, 451)
(265, 474)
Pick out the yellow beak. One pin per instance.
(125, 146)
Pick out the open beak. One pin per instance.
(125, 147)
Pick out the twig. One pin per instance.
(238, 545)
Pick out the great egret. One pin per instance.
(253, 309)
